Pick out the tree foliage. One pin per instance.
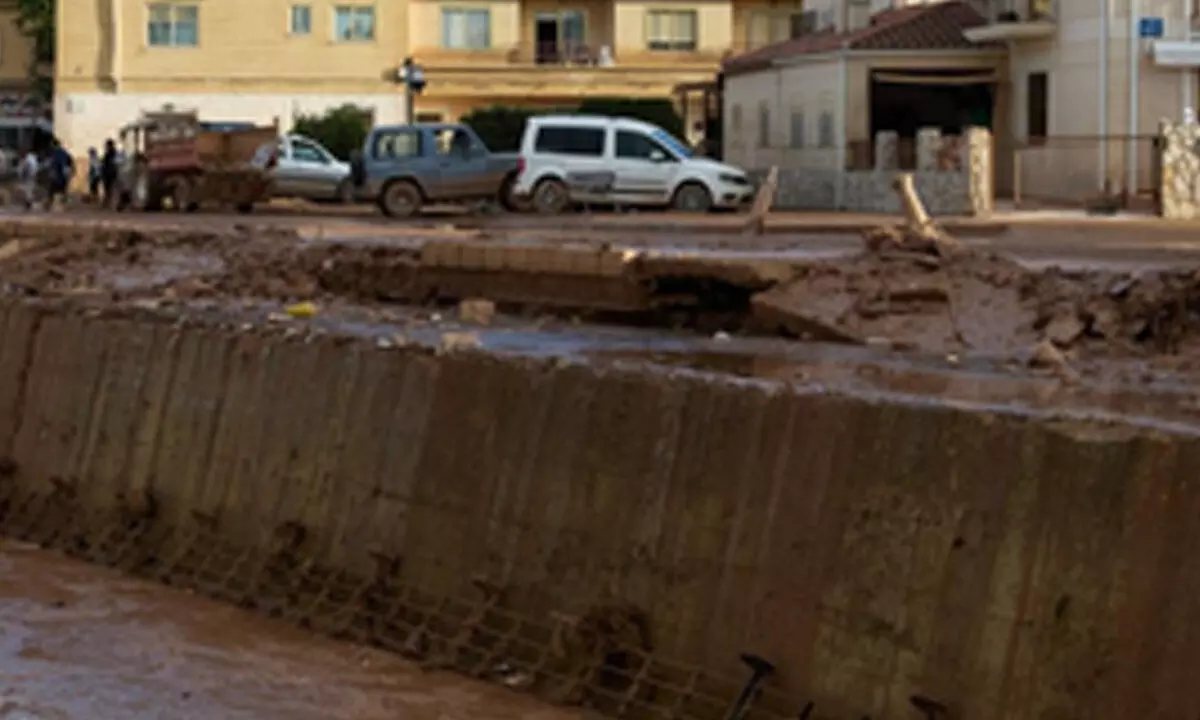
(501, 126)
(35, 20)
(341, 130)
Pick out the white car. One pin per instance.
(622, 161)
(305, 169)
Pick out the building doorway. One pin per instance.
(559, 37)
(950, 100)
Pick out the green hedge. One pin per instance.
(501, 126)
(342, 130)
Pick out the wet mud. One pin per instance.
(77, 641)
(975, 477)
(974, 302)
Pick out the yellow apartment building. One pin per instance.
(550, 53)
(16, 51)
(259, 59)
(248, 60)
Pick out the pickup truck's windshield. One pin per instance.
(671, 143)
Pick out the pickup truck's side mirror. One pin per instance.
(657, 156)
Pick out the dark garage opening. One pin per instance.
(907, 100)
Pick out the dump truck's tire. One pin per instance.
(551, 197)
(181, 190)
(139, 194)
(147, 196)
(400, 199)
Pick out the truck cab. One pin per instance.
(404, 167)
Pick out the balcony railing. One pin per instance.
(1016, 11)
(1014, 20)
(567, 54)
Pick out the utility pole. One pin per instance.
(413, 77)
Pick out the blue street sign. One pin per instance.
(1151, 27)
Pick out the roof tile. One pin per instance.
(937, 26)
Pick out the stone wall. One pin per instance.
(1179, 181)
(1007, 565)
(953, 176)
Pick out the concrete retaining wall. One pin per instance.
(1005, 567)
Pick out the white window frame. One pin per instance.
(449, 11)
(173, 10)
(668, 37)
(291, 19)
(354, 11)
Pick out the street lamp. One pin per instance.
(413, 77)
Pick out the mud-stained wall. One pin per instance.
(1008, 568)
(1179, 170)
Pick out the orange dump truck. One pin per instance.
(173, 159)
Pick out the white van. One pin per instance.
(582, 158)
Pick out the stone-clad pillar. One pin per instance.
(929, 147)
(887, 150)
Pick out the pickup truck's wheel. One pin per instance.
(692, 197)
(510, 200)
(551, 197)
(400, 199)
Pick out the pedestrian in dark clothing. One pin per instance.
(62, 167)
(93, 175)
(109, 169)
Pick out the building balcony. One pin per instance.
(562, 69)
(568, 56)
(1014, 21)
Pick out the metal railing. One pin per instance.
(1066, 171)
(573, 54)
(1000, 11)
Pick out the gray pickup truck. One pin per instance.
(403, 167)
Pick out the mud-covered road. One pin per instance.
(84, 643)
(1109, 324)
(1129, 244)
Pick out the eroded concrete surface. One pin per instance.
(881, 519)
(84, 643)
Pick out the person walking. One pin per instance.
(93, 176)
(62, 167)
(110, 167)
(27, 177)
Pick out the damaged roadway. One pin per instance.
(947, 322)
(890, 299)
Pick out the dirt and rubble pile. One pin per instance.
(910, 290)
(942, 298)
(116, 265)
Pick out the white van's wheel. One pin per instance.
(692, 197)
(551, 197)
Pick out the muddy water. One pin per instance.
(83, 642)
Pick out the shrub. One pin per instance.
(500, 127)
(341, 130)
